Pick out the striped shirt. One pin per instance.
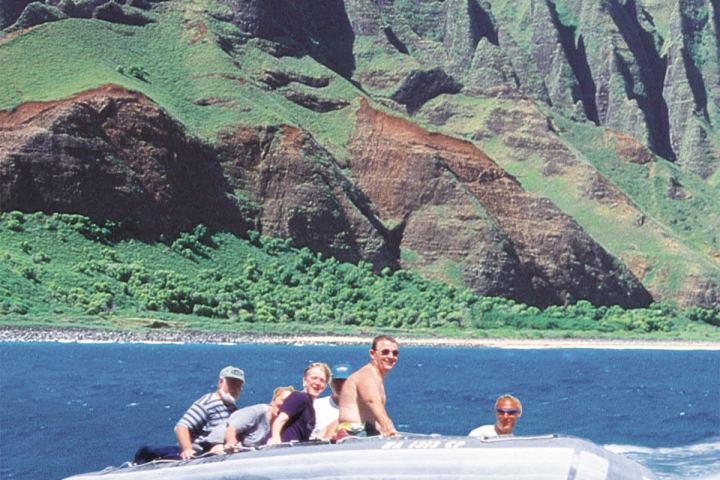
(206, 413)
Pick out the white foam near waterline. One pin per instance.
(699, 461)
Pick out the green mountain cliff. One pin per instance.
(544, 151)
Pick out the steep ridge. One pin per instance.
(552, 260)
(629, 66)
(644, 75)
(584, 91)
(691, 87)
(552, 51)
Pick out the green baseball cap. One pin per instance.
(232, 372)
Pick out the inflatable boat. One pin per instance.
(404, 457)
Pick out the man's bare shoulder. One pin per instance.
(350, 387)
(364, 378)
(361, 374)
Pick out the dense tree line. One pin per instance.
(267, 281)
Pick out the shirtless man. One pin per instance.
(362, 400)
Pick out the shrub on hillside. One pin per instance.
(137, 72)
(697, 314)
(194, 243)
(13, 221)
(83, 225)
(41, 257)
(13, 307)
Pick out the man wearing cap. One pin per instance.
(327, 408)
(204, 414)
(249, 426)
(208, 412)
(507, 410)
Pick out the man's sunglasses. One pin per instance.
(502, 411)
(386, 351)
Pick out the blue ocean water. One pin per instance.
(72, 408)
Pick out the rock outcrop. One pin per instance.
(319, 28)
(421, 86)
(11, 11)
(112, 155)
(300, 193)
(20, 14)
(114, 12)
(37, 13)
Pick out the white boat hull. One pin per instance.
(408, 457)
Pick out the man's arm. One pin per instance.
(239, 423)
(192, 421)
(277, 427)
(185, 442)
(230, 437)
(369, 394)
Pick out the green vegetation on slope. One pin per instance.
(671, 238)
(175, 61)
(694, 218)
(62, 267)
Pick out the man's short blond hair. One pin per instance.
(279, 390)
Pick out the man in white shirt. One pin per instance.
(507, 410)
(327, 408)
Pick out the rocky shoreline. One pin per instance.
(85, 335)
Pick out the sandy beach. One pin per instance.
(77, 335)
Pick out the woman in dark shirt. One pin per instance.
(296, 419)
